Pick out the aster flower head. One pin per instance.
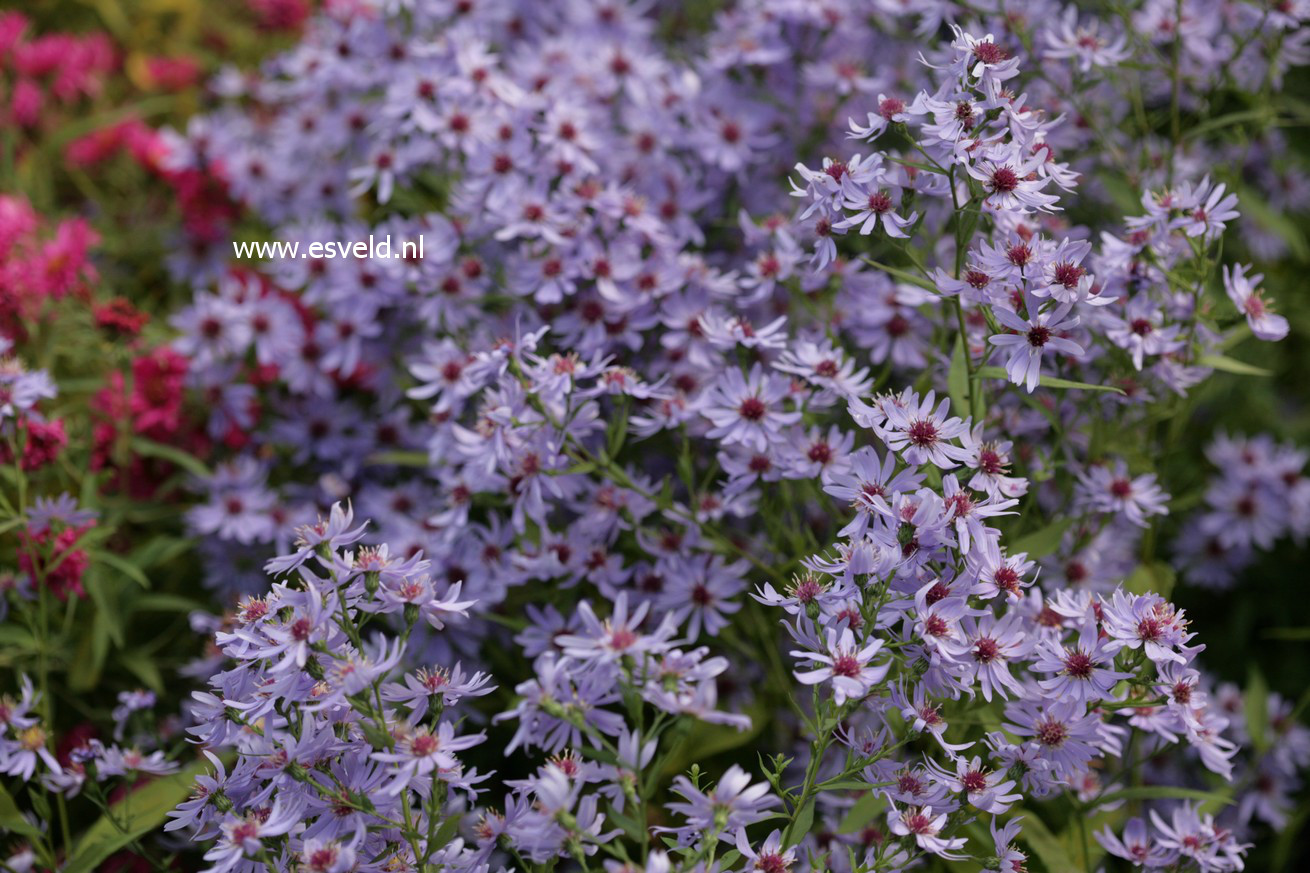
(1082, 670)
(1249, 299)
(1113, 490)
(748, 409)
(1150, 623)
(922, 434)
(846, 664)
(733, 803)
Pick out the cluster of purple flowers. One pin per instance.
(618, 417)
(344, 749)
(1258, 497)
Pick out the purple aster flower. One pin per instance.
(747, 409)
(846, 664)
(1081, 669)
(1032, 337)
(733, 803)
(990, 646)
(1110, 489)
(1250, 301)
(330, 534)
(921, 434)
(920, 823)
(1064, 734)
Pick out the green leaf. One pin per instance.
(106, 610)
(1049, 381)
(122, 565)
(1154, 576)
(143, 667)
(957, 378)
(13, 635)
(1256, 698)
(865, 810)
(165, 603)
(446, 832)
(1041, 543)
(1229, 365)
(1046, 846)
(1159, 792)
(1287, 633)
(617, 432)
(138, 814)
(849, 785)
(188, 462)
(11, 819)
(918, 165)
(1261, 114)
(903, 275)
(92, 649)
(160, 550)
(803, 822)
(400, 459)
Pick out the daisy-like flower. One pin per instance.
(330, 856)
(1137, 845)
(1194, 835)
(771, 856)
(921, 434)
(732, 804)
(1148, 622)
(919, 822)
(823, 365)
(1111, 490)
(1207, 210)
(827, 185)
(331, 534)
(924, 715)
(616, 636)
(1080, 668)
(872, 207)
(1066, 736)
(866, 485)
(1066, 39)
(243, 837)
(445, 687)
(1011, 181)
(1142, 331)
(988, 648)
(114, 761)
(990, 461)
(420, 753)
(701, 591)
(846, 664)
(290, 640)
(997, 573)
(1063, 276)
(983, 789)
(1250, 301)
(891, 110)
(747, 409)
(20, 755)
(981, 59)
(436, 610)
